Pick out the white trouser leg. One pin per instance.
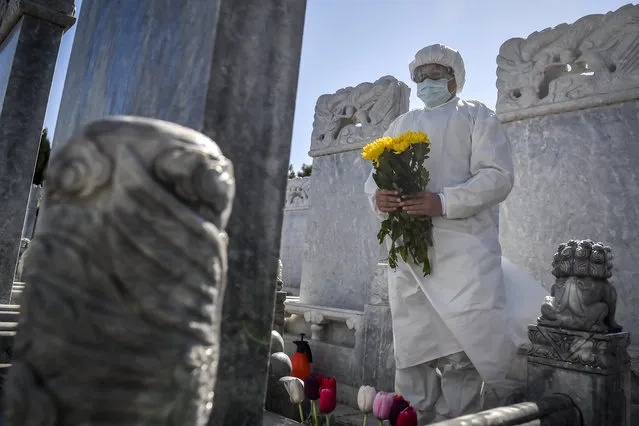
(421, 385)
(442, 389)
(461, 386)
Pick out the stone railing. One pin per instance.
(555, 410)
(320, 317)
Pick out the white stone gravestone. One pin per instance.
(569, 98)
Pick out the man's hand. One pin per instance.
(424, 203)
(387, 201)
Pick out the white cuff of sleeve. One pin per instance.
(443, 200)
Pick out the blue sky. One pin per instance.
(347, 42)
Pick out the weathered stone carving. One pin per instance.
(297, 192)
(581, 298)
(579, 349)
(121, 317)
(353, 116)
(591, 62)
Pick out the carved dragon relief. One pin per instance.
(591, 62)
(297, 193)
(353, 116)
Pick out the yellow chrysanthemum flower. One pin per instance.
(397, 144)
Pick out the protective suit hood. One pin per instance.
(443, 55)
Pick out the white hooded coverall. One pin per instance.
(455, 321)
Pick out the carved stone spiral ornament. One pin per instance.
(121, 318)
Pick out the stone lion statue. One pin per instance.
(121, 318)
(581, 298)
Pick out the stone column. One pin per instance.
(378, 351)
(578, 349)
(569, 98)
(30, 35)
(228, 68)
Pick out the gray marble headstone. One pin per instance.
(236, 82)
(30, 35)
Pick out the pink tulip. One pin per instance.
(382, 405)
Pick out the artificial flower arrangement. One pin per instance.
(386, 406)
(383, 405)
(314, 388)
(398, 163)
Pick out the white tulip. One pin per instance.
(365, 398)
(295, 388)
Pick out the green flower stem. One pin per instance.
(328, 420)
(314, 407)
(365, 418)
(301, 413)
(381, 422)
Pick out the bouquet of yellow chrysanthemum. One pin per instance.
(399, 166)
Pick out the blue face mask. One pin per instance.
(433, 92)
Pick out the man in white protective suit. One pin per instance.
(451, 331)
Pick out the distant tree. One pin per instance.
(43, 158)
(305, 171)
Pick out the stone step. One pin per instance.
(9, 307)
(8, 326)
(9, 316)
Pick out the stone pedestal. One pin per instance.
(30, 35)
(593, 369)
(229, 69)
(379, 354)
(379, 360)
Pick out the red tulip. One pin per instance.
(328, 400)
(329, 383)
(408, 417)
(399, 405)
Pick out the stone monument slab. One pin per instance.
(229, 69)
(341, 230)
(30, 35)
(294, 238)
(569, 100)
